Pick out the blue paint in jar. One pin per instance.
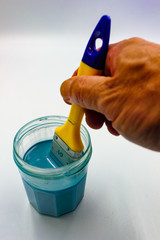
(39, 155)
(53, 203)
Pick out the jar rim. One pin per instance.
(49, 172)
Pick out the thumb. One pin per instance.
(86, 91)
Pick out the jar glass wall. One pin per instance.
(52, 191)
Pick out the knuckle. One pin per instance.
(78, 90)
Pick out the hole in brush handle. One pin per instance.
(98, 44)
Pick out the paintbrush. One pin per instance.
(67, 145)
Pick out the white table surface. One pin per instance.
(122, 196)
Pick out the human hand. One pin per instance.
(127, 97)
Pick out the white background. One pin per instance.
(41, 44)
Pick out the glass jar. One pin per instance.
(51, 191)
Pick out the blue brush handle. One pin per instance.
(92, 57)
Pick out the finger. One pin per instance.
(85, 91)
(110, 128)
(111, 59)
(113, 55)
(75, 73)
(94, 119)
